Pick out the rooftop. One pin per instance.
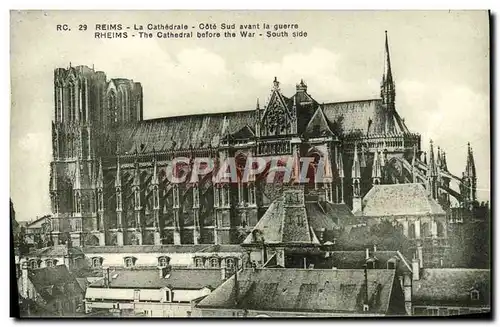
(412, 200)
(302, 290)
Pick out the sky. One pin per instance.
(440, 63)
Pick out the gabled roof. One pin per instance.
(412, 200)
(304, 290)
(178, 278)
(452, 285)
(318, 126)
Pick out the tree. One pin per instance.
(386, 235)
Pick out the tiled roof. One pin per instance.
(57, 251)
(364, 116)
(178, 278)
(174, 133)
(412, 199)
(452, 285)
(329, 215)
(302, 290)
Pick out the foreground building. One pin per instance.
(109, 182)
(153, 292)
(49, 291)
(305, 293)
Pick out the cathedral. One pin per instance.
(109, 185)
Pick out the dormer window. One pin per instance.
(198, 262)
(391, 263)
(371, 263)
(49, 263)
(214, 263)
(163, 261)
(474, 295)
(129, 262)
(96, 262)
(230, 264)
(34, 264)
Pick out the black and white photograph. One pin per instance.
(250, 164)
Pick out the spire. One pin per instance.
(77, 184)
(431, 169)
(100, 175)
(438, 159)
(341, 166)
(356, 166)
(301, 87)
(387, 90)
(376, 169)
(118, 180)
(382, 158)
(470, 168)
(276, 84)
(363, 157)
(444, 165)
(414, 159)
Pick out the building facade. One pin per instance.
(109, 182)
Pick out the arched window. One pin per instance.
(84, 99)
(426, 231)
(214, 263)
(411, 232)
(440, 230)
(49, 263)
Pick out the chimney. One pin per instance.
(367, 256)
(415, 267)
(24, 278)
(374, 248)
(366, 307)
